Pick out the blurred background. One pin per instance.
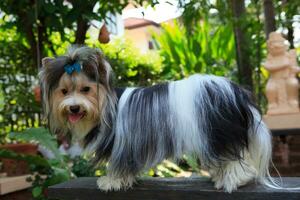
(146, 42)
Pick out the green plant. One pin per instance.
(131, 67)
(42, 136)
(82, 167)
(45, 172)
(208, 50)
(18, 109)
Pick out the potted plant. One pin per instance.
(44, 172)
(14, 167)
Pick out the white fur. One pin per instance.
(234, 174)
(181, 99)
(107, 183)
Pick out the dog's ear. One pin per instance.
(46, 61)
(104, 68)
(101, 61)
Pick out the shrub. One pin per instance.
(130, 66)
(207, 50)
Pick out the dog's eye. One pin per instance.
(85, 89)
(64, 91)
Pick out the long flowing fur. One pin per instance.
(204, 115)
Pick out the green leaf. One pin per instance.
(31, 159)
(192, 162)
(41, 136)
(37, 191)
(50, 8)
(59, 175)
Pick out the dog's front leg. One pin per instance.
(111, 182)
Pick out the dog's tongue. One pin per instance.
(75, 117)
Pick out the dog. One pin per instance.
(134, 129)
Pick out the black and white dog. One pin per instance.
(204, 115)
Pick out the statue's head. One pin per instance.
(276, 44)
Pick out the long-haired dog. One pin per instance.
(136, 128)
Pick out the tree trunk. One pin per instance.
(82, 27)
(290, 36)
(41, 38)
(29, 34)
(241, 43)
(291, 10)
(270, 23)
(82, 23)
(35, 36)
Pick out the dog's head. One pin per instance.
(76, 89)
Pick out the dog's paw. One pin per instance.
(107, 183)
(218, 183)
(233, 176)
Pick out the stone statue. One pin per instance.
(282, 87)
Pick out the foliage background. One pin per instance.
(204, 40)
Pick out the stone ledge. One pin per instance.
(284, 121)
(12, 184)
(170, 189)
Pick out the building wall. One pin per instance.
(141, 36)
(286, 155)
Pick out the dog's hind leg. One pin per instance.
(232, 174)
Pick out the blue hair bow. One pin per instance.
(72, 67)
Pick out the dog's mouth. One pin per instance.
(75, 117)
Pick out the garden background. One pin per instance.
(226, 38)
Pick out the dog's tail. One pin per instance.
(260, 148)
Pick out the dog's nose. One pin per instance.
(75, 108)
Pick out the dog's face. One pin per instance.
(74, 101)
(77, 103)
